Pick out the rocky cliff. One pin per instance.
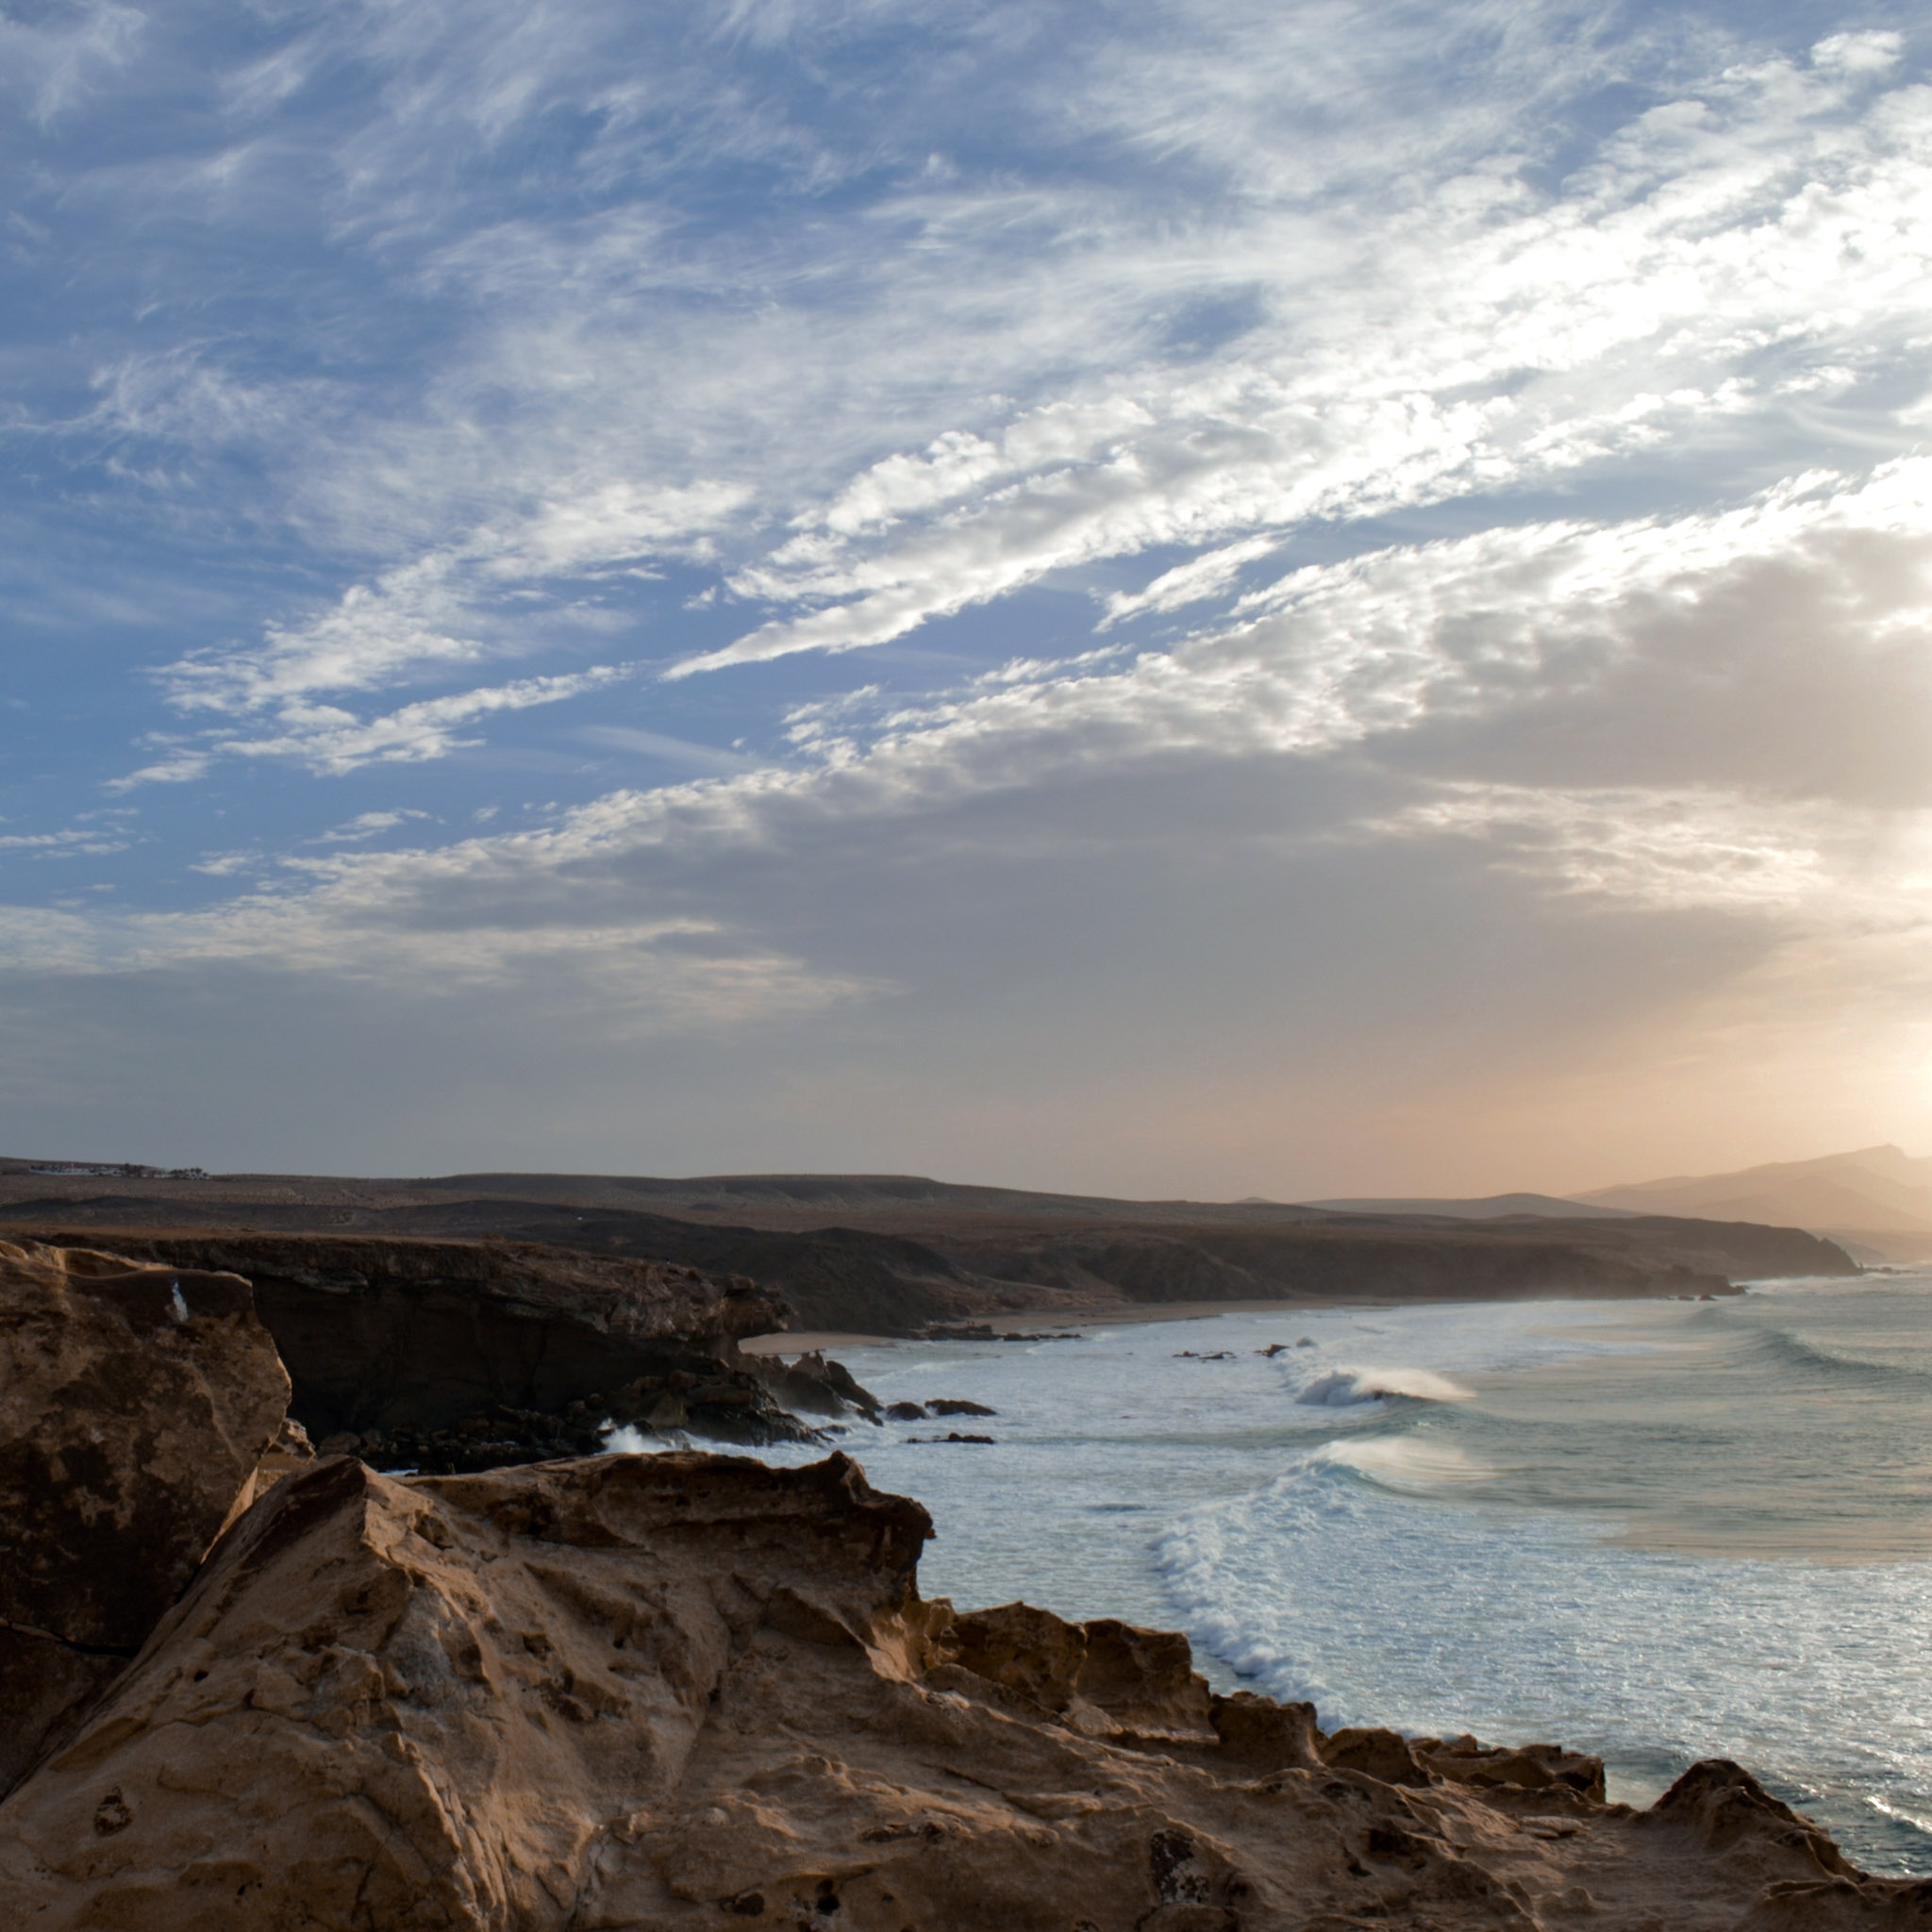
(380, 1334)
(137, 1405)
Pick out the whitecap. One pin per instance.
(1344, 1388)
(625, 1439)
(1411, 1463)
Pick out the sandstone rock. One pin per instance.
(1724, 1806)
(640, 1693)
(136, 1405)
(493, 1437)
(1261, 1736)
(44, 1683)
(290, 1451)
(1530, 1766)
(1376, 1753)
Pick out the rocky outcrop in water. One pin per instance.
(639, 1693)
(137, 1405)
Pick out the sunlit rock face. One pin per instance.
(685, 1691)
(136, 1405)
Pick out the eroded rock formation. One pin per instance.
(136, 1407)
(683, 1690)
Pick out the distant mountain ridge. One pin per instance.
(1874, 1192)
(1488, 1207)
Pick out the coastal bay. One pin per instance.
(1668, 1529)
(1361, 1518)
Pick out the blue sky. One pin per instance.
(1215, 600)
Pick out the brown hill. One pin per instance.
(1878, 1200)
(892, 1255)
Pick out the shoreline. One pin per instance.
(805, 1340)
(786, 1342)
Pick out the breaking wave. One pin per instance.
(1345, 1388)
(1411, 1465)
(627, 1440)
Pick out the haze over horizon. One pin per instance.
(1301, 603)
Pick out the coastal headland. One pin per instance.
(250, 1686)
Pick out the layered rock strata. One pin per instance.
(137, 1405)
(639, 1693)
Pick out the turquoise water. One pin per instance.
(1661, 1531)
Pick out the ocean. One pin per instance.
(1655, 1530)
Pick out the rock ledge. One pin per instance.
(642, 1692)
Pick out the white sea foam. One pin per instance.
(1385, 1608)
(1918, 1820)
(624, 1440)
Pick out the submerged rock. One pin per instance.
(137, 1405)
(640, 1693)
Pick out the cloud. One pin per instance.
(1485, 439)
(375, 635)
(84, 841)
(1202, 576)
(1394, 673)
(370, 918)
(658, 744)
(1663, 851)
(1500, 341)
(366, 825)
(422, 619)
(1865, 52)
(56, 64)
(331, 742)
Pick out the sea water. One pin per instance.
(1656, 1530)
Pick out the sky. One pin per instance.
(1213, 600)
